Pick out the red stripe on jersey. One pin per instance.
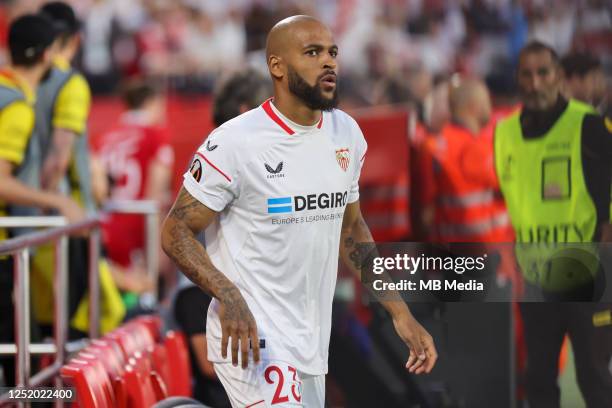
(320, 121)
(214, 167)
(252, 405)
(266, 107)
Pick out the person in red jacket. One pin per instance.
(137, 159)
(466, 205)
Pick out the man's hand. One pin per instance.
(238, 322)
(423, 354)
(73, 212)
(70, 209)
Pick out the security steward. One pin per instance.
(30, 42)
(553, 161)
(62, 108)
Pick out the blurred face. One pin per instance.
(47, 60)
(156, 108)
(590, 89)
(311, 67)
(538, 80)
(484, 112)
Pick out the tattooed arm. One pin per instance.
(423, 353)
(186, 219)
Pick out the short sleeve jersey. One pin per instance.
(126, 153)
(73, 102)
(281, 190)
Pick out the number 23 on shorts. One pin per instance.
(282, 384)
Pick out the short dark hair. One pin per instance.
(29, 37)
(579, 64)
(243, 88)
(137, 92)
(63, 17)
(535, 47)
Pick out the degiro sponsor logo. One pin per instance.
(308, 202)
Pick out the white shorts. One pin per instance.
(271, 384)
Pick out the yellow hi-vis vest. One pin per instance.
(112, 309)
(543, 185)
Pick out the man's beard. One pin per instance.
(311, 95)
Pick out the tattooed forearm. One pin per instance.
(357, 245)
(179, 242)
(358, 251)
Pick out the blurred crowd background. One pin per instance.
(398, 61)
(391, 51)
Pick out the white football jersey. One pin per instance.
(281, 190)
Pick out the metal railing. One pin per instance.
(58, 234)
(20, 249)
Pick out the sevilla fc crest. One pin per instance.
(343, 158)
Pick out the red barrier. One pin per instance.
(385, 183)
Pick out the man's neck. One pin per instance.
(295, 110)
(30, 76)
(536, 123)
(558, 106)
(468, 123)
(67, 54)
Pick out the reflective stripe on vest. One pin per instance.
(472, 199)
(480, 227)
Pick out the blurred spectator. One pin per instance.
(595, 16)
(99, 33)
(62, 108)
(584, 80)
(191, 42)
(212, 45)
(543, 191)
(239, 93)
(464, 199)
(30, 42)
(436, 112)
(137, 159)
(554, 23)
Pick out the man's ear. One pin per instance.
(76, 40)
(48, 54)
(275, 65)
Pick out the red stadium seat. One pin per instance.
(139, 391)
(153, 323)
(161, 362)
(178, 356)
(124, 340)
(110, 354)
(141, 334)
(91, 383)
(102, 376)
(144, 386)
(132, 337)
